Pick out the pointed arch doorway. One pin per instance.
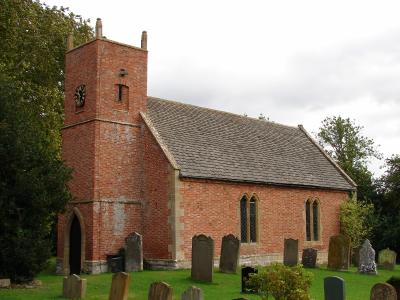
(75, 247)
(74, 242)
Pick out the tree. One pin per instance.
(387, 204)
(33, 177)
(343, 140)
(356, 220)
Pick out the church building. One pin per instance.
(169, 170)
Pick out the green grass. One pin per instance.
(224, 286)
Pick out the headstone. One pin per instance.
(367, 263)
(291, 252)
(395, 282)
(383, 291)
(309, 258)
(5, 283)
(339, 252)
(229, 254)
(334, 288)
(74, 287)
(134, 253)
(160, 291)
(193, 293)
(202, 258)
(355, 256)
(246, 271)
(387, 259)
(119, 286)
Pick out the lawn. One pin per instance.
(225, 286)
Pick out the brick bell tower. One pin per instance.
(105, 89)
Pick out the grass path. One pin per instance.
(225, 286)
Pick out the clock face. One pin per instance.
(80, 95)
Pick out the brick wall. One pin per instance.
(212, 208)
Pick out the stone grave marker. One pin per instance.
(202, 258)
(309, 258)
(334, 288)
(339, 252)
(193, 293)
(383, 291)
(291, 252)
(395, 282)
(229, 254)
(367, 263)
(246, 271)
(74, 287)
(119, 286)
(5, 283)
(160, 291)
(134, 253)
(387, 259)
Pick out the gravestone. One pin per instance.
(133, 253)
(229, 254)
(74, 287)
(339, 252)
(246, 271)
(395, 282)
(334, 288)
(5, 283)
(291, 252)
(383, 291)
(119, 286)
(387, 259)
(160, 291)
(193, 293)
(309, 258)
(367, 263)
(202, 258)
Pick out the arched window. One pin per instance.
(248, 220)
(312, 220)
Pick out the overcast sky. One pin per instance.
(296, 62)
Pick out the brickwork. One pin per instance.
(212, 208)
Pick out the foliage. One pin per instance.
(344, 141)
(283, 282)
(32, 177)
(355, 220)
(387, 204)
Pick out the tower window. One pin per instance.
(122, 93)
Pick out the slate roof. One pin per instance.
(212, 144)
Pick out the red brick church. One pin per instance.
(171, 170)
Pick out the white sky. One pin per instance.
(295, 62)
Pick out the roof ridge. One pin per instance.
(225, 112)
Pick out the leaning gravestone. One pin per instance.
(193, 293)
(160, 291)
(229, 254)
(133, 253)
(202, 258)
(291, 252)
(309, 258)
(387, 259)
(246, 271)
(119, 286)
(339, 252)
(383, 291)
(367, 263)
(74, 287)
(334, 288)
(395, 282)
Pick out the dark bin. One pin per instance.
(115, 263)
